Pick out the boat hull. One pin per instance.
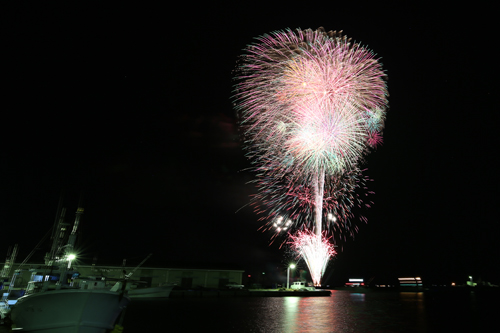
(68, 311)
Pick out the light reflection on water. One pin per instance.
(353, 312)
(344, 311)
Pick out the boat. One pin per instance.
(131, 288)
(136, 292)
(302, 286)
(152, 292)
(53, 303)
(68, 311)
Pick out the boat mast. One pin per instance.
(69, 247)
(9, 261)
(58, 233)
(72, 237)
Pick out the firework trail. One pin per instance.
(311, 105)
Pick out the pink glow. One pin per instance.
(316, 251)
(311, 105)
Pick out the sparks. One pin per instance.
(311, 104)
(316, 251)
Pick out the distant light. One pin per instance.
(249, 275)
(355, 280)
(263, 272)
(453, 283)
(71, 256)
(292, 266)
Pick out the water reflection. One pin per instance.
(357, 297)
(355, 312)
(414, 302)
(345, 311)
(291, 305)
(309, 314)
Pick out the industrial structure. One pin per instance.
(185, 278)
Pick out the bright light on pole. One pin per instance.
(292, 266)
(70, 258)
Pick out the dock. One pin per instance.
(247, 293)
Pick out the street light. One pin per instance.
(292, 266)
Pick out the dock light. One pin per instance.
(292, 266)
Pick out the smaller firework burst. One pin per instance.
(316, 251)
(281, 224)
(285, 204)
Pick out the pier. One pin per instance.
(247, 293)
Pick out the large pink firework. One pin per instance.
(316, 95)
(311, 105)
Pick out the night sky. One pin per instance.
(132, 107)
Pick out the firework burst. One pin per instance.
(316, 251)
(285, 204)
(311, 105)
(316, 95)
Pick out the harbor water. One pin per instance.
(343, 311)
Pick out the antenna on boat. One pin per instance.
(9, 261)
(133, 271)
(72, 236)
(58, 232)
(127, 276)
(68, 254)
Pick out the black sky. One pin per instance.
(131, 104)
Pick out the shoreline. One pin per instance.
(325, 292)
(247, 293)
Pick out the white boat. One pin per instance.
(302, 286)
(141, 292)
(130, 289)
(68, 311)
(52, 304)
